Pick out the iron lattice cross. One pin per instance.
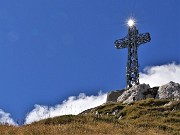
(132, 41)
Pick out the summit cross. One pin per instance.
(132, 41)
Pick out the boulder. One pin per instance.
(134, 93)
(113, 95)
(169, 91)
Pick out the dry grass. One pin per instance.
(93, 127)
(148, 117)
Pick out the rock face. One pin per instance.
(169, 91)
(113, 95)
(134, 93)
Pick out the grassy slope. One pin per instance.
(145, 117)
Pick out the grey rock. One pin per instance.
(143, 91)
(169, 91)
(134, 93)
(113, 95)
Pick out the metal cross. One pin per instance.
(132, 41)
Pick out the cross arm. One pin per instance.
(143, 38)
(121, 43)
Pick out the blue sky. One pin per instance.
(50, 50)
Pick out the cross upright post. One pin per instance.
(132, 41)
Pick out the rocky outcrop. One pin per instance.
(113, 95)
(134, 93)
(169, 91)
(143, 91)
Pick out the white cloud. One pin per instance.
(6, 119)
(159, 75)
(74, 105)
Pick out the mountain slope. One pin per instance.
(145, 117)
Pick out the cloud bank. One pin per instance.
(74, 105)
(159, 75)
(6, 119)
